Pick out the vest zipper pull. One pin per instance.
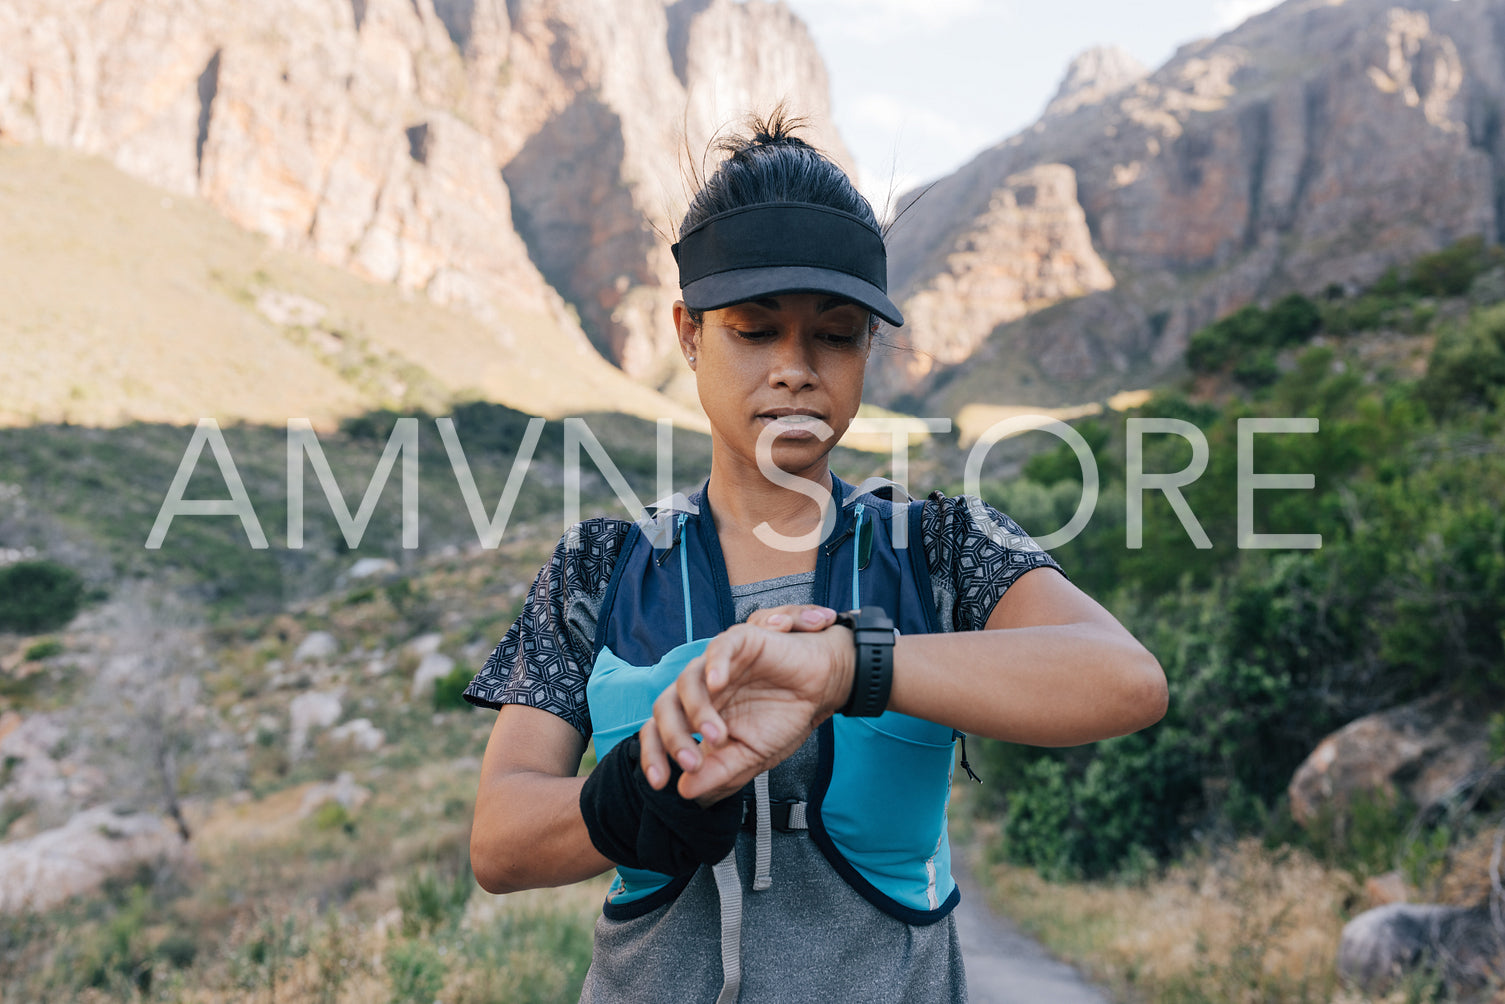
(959, 734)
(679, 529)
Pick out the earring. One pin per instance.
(692, 360)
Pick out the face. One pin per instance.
(778, 364)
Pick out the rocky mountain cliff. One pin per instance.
(500, 157)
(527, 159)
(1317, 143)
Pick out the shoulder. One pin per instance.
(586, 552)
(959, 522)
(975, 553)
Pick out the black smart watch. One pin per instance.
(873, 673)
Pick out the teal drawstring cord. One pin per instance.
(684, 577)
(856, 559)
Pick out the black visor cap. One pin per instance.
(784, 247)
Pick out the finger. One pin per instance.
(674, 729)
(814, 618)
(725, 771)
(793, 617)
(695, 702)
(654, 762)
(729, 650)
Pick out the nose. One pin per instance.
(792, 366)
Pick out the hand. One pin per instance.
(756, 693)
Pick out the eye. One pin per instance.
(839, 339)
(756, 335)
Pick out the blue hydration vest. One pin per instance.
(877, 809)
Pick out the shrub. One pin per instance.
(416, 971)
(39, 596)
(333, 816)
(1292, 321)
(44, 649)
(1451, 271)
(431, 899)
(1467, 366)
(1258, 369)
(449, 690)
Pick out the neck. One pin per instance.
(742, 499)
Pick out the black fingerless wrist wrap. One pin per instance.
(635, 826)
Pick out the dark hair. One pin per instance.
(772, 164)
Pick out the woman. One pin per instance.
(772, 776)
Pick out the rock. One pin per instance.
(1426, 752)
(42, 871)
(435, 666)
(403, 140)
(359, 733)
(9, 722)
(289, 309)
(1317, 143)
(32, 775)
(1030, 247)
(343, 790)
(424, 644)
(365, 568)
(1381, 946)
(315, 710)
(317, 646)
(1096, 74)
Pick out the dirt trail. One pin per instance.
(1005, 966)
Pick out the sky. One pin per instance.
(918, 87)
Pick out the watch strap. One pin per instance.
(873, 669)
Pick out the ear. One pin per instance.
(689, 332)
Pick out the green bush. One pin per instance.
(39, 596)
(44, 649)
(432, 899)
(333, 816)
(1451, 271)
(1467, 366)
(1291, 321)
(416, 972)
(449, 689)
(1257, 369)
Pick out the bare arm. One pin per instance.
(1052, 668)
(528, 831)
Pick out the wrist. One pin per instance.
(873, 638)
(843, 670)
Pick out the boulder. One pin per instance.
(314, 710)
(359, 733)
(1424, 752)
(435, 666)
(424, 644)
(319, 645)
(1461, 945)
(44, 870)
(342, 790)
(367, 567)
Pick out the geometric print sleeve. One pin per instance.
(975, 553)
(545, 657)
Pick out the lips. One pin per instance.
(790, 414)
(799, 423)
